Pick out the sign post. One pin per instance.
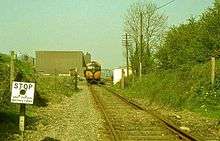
(76, 74)
(22, 93)
(73, 73)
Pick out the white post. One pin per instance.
(213, 71)
(140, 69)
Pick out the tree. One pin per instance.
(210, 21)
(193, 42)
(153, 26)
(182, 46)
(4, 66)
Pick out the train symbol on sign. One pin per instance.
(22, 92)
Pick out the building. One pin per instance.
(60, 62)
(117, 74)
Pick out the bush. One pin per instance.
(181, 88)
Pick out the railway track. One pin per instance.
(127, 121)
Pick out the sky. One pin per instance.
(94, 26)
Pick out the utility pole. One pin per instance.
(126, 46)
(122, 79)
(12, 68)
(125, 43)
(141, 34)
(141, 38)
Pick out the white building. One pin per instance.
(117, 74)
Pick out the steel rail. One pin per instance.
(168, 124)
(97, 100)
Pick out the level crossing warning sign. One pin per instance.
(22, 92)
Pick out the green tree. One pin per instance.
(4, 67)
(153, 29)
(193, 42)
(181, 46)
(211, 29)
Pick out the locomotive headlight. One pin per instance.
(89, 74)
(97, 75)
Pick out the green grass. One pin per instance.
(48, 89)
(9, 112)
(58, 86)
(188, 88)
(8, 124)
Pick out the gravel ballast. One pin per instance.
(74, 118)
(204, 128)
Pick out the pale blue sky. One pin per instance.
(93, 26)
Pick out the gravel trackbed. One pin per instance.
(75, 118)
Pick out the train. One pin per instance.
(93, 72)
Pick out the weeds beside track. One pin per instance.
(128, 121)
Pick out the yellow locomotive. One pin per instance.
(93, 72)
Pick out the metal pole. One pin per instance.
(141, 37)
(22, 120)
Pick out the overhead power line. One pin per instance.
(166, 4)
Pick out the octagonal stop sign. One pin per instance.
(22, 92)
